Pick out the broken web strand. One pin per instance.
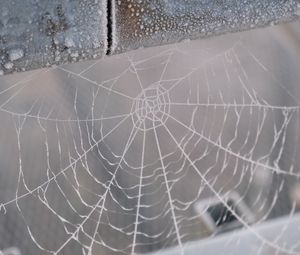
(103, 199)
(40, 188)
(225, 204)
(179, 82)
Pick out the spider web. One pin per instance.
(112, 156)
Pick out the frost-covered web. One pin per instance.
(129, 154)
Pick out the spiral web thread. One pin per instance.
(114, 163)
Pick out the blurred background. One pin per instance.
(155, 149)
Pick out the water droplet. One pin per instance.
(15, 54)
(9, 65)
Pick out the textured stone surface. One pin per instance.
(40, 33)
(144, 23)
